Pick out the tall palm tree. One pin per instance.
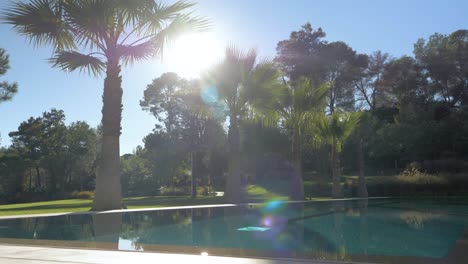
(333, 130)
(296, 107)
(99, 36)
(243, 84)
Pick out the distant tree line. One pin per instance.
(318, 111)
(48, 159)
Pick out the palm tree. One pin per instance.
(243, 85)
(296, 107)
(333, 130)
(99, 36)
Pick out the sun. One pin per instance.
(192, 54)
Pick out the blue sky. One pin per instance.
(390, 26)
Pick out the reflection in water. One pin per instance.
(363, 234)
(372, 231)
(107, 229)
(417, 219)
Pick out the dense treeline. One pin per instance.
(48, 159)
(295, 125)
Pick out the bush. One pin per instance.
(174, 191)
(202, 190)
(414, 176)
(413, 182)
(82, 195)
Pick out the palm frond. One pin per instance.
(157, 17)
(41, 22)
(180, 25)
(264, 86)
(337, 127)
(143, 51)
(238, 62)
(72, 60)
(92, 22)
(130, 12)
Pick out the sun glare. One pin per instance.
(190, 55)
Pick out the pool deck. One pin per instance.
(46, 255)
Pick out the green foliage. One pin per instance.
(7, 90)
(109, 30)
(56, 158)
(307, 54)
(82, 195)
(335, 129)
(244, 85)
(259, 192)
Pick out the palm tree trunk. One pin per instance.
(297, 192)
(336, 189)
(108, 194)
(233, 181)
(362, 189)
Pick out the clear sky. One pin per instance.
(366, 25)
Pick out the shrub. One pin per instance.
(174, 191)
(82, 195)
(414, 176)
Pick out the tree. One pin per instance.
(306, 54)
(333, 130)
(368, 82)
(296, 107)
(62, 157)
(161, 98)
(178, 105)
(242, 85)
(299, 55)
(136, 176)
(407, 85)
(27, 141)
(198, 121)
(80, 156)
(114, 32)
(444, 59)
(7, 90)
(340, 64)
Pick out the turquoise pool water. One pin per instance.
(380, 230)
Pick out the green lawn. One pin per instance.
(255, 193)
(81, 205)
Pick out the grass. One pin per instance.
(82, 205)
(255, 193)
(314, 190)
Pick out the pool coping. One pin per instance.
(50, 255)
(177, 208)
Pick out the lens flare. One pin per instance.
(209, 95)
(274, 206)
(268, 221)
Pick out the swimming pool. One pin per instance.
(377, 230)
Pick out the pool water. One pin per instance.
(377, 230)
